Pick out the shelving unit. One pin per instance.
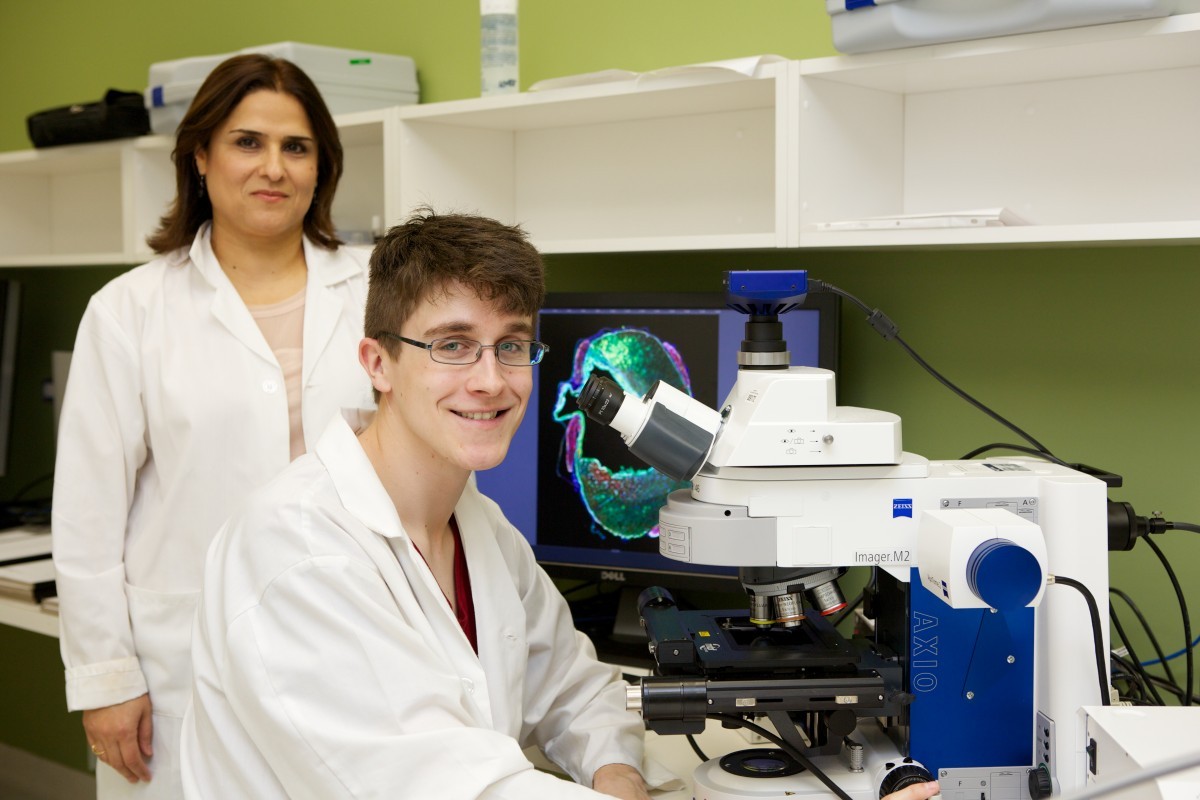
(97, 203)
(687, 161)
(77, 204)
(1082, 132)
(368, 189)
(27, 616)
(1085, 133)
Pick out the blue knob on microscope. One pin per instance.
(1004, 575)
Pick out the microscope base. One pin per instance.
(712, 782)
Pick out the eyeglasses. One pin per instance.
(468, 351)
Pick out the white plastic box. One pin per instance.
(349, 80)
(861, 26)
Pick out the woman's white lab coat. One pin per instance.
(175, 409)
(329, 664)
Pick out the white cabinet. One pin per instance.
(83, 204)
(1086, 133)
(97, 203)
(689, 161)
(28, 616)
(368, 193)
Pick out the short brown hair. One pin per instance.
(222, 91)
(423, 256)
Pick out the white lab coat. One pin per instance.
(328, 663)
(175, 409)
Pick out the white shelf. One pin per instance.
(686, 161)
(95, 204)
(1085, 133)
(1138, 46)
(368, 187)
(1186, 232)
(60, 204)
(27, 616)
(1081, 132)
(750, 241)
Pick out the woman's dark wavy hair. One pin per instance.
(226, 86)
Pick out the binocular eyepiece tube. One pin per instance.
(667, 428)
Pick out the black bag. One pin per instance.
(118, 115)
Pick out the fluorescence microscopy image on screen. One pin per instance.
(602, 495)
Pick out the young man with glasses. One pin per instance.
(372, 626)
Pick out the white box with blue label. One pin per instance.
(349, 80)
(861, 26)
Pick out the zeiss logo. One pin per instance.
(902, 507)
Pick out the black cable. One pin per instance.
(1130, 676)
(1162, 658)
(1156, 524)
(1174, 690)
(1097, 634)
(1135, 662)
(1161, 683)
(691, 739)
(888, 330)
(1019, 448)
(786, 747)
(1189, 656)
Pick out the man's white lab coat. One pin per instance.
(175, 409)
(329, 664)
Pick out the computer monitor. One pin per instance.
(588, 506)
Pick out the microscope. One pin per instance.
(968, 664)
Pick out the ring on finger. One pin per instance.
(98, 750)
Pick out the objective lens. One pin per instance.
(788, 610)
(760, 611)
(827, 598)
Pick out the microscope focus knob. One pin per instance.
(902, 776)
(1004, 575)
(1040, 784)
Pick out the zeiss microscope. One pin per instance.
(973, 664)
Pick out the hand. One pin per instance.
(120, 736)
(620, 780)
(918, 791)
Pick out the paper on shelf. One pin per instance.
(24, 548)
(31, 580)
(706, 72)
(584, 79)
(973, 218)
(747, 67)
(20, 534)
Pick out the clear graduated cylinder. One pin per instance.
(499, 62)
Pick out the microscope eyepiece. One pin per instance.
(667, 428)
(600, 399)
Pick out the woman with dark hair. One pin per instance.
(195, 378)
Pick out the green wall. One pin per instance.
(1093, 351)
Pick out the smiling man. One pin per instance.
(371, 625)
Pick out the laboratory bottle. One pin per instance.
(498, 60)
